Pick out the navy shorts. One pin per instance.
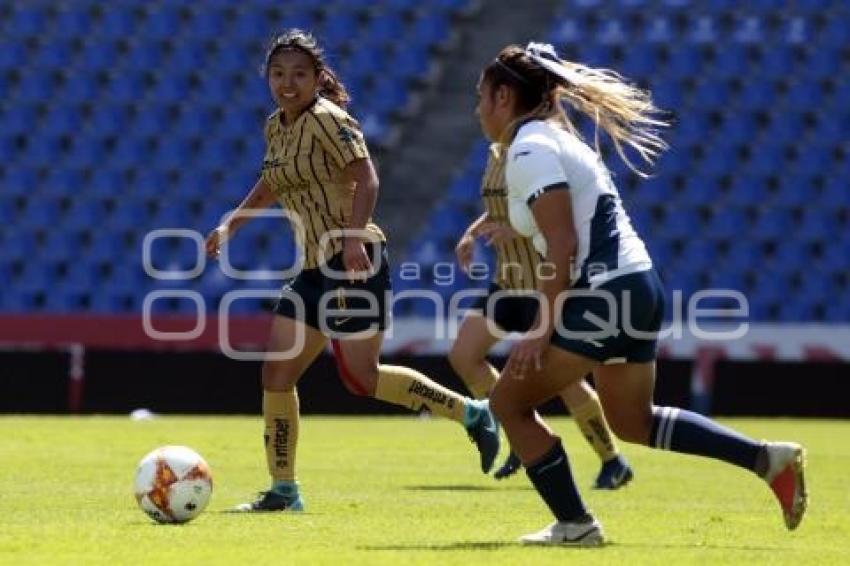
(631, 336)
(511, 313)
(345, 302)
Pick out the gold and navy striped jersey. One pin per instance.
(516, 260)
(304, 165)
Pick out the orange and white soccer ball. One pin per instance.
(173, 484)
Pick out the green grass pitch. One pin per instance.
(397, 491)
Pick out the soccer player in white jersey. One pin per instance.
(602, 303)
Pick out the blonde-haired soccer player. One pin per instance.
(317, 167)
(510, 308)
(604, 316)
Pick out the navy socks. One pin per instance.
(684, 431)
(553, 480)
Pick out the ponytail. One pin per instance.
(543, 82)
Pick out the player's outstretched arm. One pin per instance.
(464, 247)
(258, 198)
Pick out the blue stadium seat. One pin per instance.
(777, 61)
(744, 255)
(836, 33)
(55, 55)
(385, 28)
(738, 128)
(117, 22)
(819, 224)
(640, 62)
(703, 30)
(38, 85)
(659, 30)
(785, 128)
(206, 24)
(727, 224)
(731, 61)
(70, 23)
(567, 31)
(26, 21)
(162, 23)
(680, 223)
(11, 54)
(811, 160)
(772, 224)
(612, 31)
(749, 29)
(804, 94)
(756, 95)
(81, 87)
(430, 29)
(100, 54)
(700, 252)
(8, 149)
(411, 63)
(747, 190)
(125, 89)
(764, 161)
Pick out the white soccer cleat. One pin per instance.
(569, 534)
(785, 476)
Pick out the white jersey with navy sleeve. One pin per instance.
(544, 156)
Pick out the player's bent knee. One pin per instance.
(502, 406)
(459, 360)
(631, 428)
(359, 381)
(278, 377)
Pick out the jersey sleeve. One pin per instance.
(533, 168)
(341, 137)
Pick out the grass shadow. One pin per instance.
(696, 545)
(466, 487)
(468, 545)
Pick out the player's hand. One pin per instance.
(355, 259)
(527, 356)
(464, 250)
(496, 233)
(214, 240)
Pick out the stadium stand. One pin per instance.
(118, 119)
(123, 118)
(753, 195)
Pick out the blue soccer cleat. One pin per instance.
(614, 474)
(273, 501)
(484, 432)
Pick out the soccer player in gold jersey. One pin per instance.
(317, 167)
(512, 309)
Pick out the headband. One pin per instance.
(511, 72)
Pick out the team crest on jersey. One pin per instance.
(345, 134)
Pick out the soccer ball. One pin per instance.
(173, 484)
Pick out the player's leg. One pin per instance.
(626, 393)
(546, 463)
(357, 360)
(584, 406)
(468, 356)
(281, 411)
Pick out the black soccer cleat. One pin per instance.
(511, 465)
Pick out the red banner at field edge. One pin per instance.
(127, 332)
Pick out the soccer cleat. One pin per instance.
(785, 476)
(614, 473)
(583, 533)
(484, 432)
(272, 501)
(511, 465)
